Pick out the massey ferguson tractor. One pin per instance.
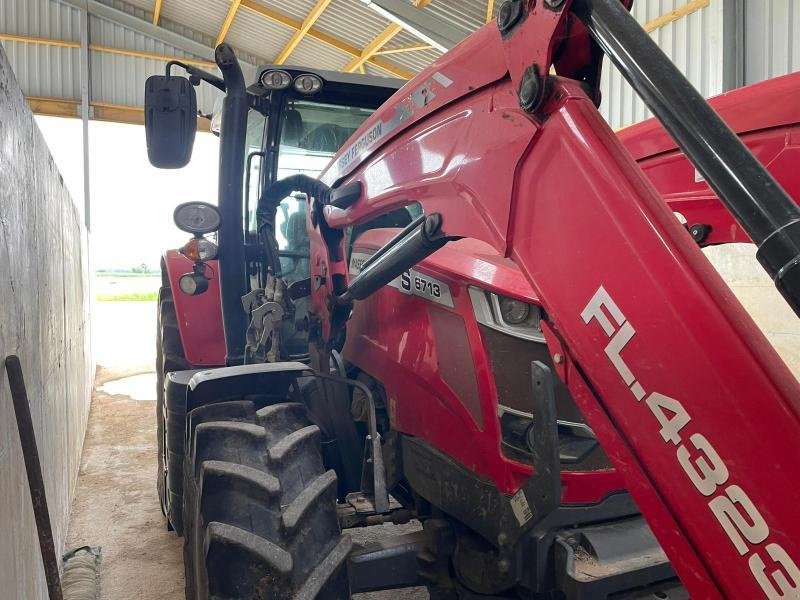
(469, 303)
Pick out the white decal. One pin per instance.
(733, 509)
(521, 508)
(411, 282)
(404, 110)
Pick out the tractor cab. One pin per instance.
(315, 113)
(289, 121)
(298, 120)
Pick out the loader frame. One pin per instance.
(684, 392)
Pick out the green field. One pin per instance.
(126, 287)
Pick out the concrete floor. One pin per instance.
(116, 505)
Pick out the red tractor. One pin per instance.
(482, 315)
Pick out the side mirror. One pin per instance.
(170, 120)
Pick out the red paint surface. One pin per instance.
(765, 115)
(199, 317)
(565, 201)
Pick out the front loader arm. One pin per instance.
(684, 392)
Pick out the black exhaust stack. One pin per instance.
(232, 260)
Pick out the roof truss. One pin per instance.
(367, 54)
(298, 36)
(330, 40)
(226, 25)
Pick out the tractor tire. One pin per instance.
(169, 357)
(259, 506)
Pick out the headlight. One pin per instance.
(197, 218)
(509, 315)
(276, 80)
(308, 84)
(199, 250)
(514, 312)
(193, 284)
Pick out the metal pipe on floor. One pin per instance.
(30, 454)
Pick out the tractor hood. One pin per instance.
(476, 62)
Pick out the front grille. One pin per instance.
(511, 358)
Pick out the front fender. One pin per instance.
(199, 317)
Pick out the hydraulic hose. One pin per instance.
(745, 187)
(400, 254)
(269, 201)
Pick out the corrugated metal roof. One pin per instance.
(413, 61)
(143, 9)
(206, 16)
(258, 36)
(693, 42)
(467, 15)
(353, 21)
(317, 54)
(297, 9)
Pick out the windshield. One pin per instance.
(313, 133)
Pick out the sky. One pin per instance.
(131, 201)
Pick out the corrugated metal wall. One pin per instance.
(49, 71)
(772, 38)
(46, 71)
(694, 43)
(118, 79)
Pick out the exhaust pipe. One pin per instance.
(232, 260)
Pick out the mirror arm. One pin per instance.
(198, 73)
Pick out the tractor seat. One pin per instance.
(293, 128)
(296, 268)
(325, 138)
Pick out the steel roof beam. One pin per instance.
(331, 41)
(428, 27)
(383, 38)
(404, 49)
(156, 12)
(226, 25)
(312, 17)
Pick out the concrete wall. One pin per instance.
(44, 318)
(737, 265)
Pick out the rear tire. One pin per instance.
(169, 357)
(259, 507)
